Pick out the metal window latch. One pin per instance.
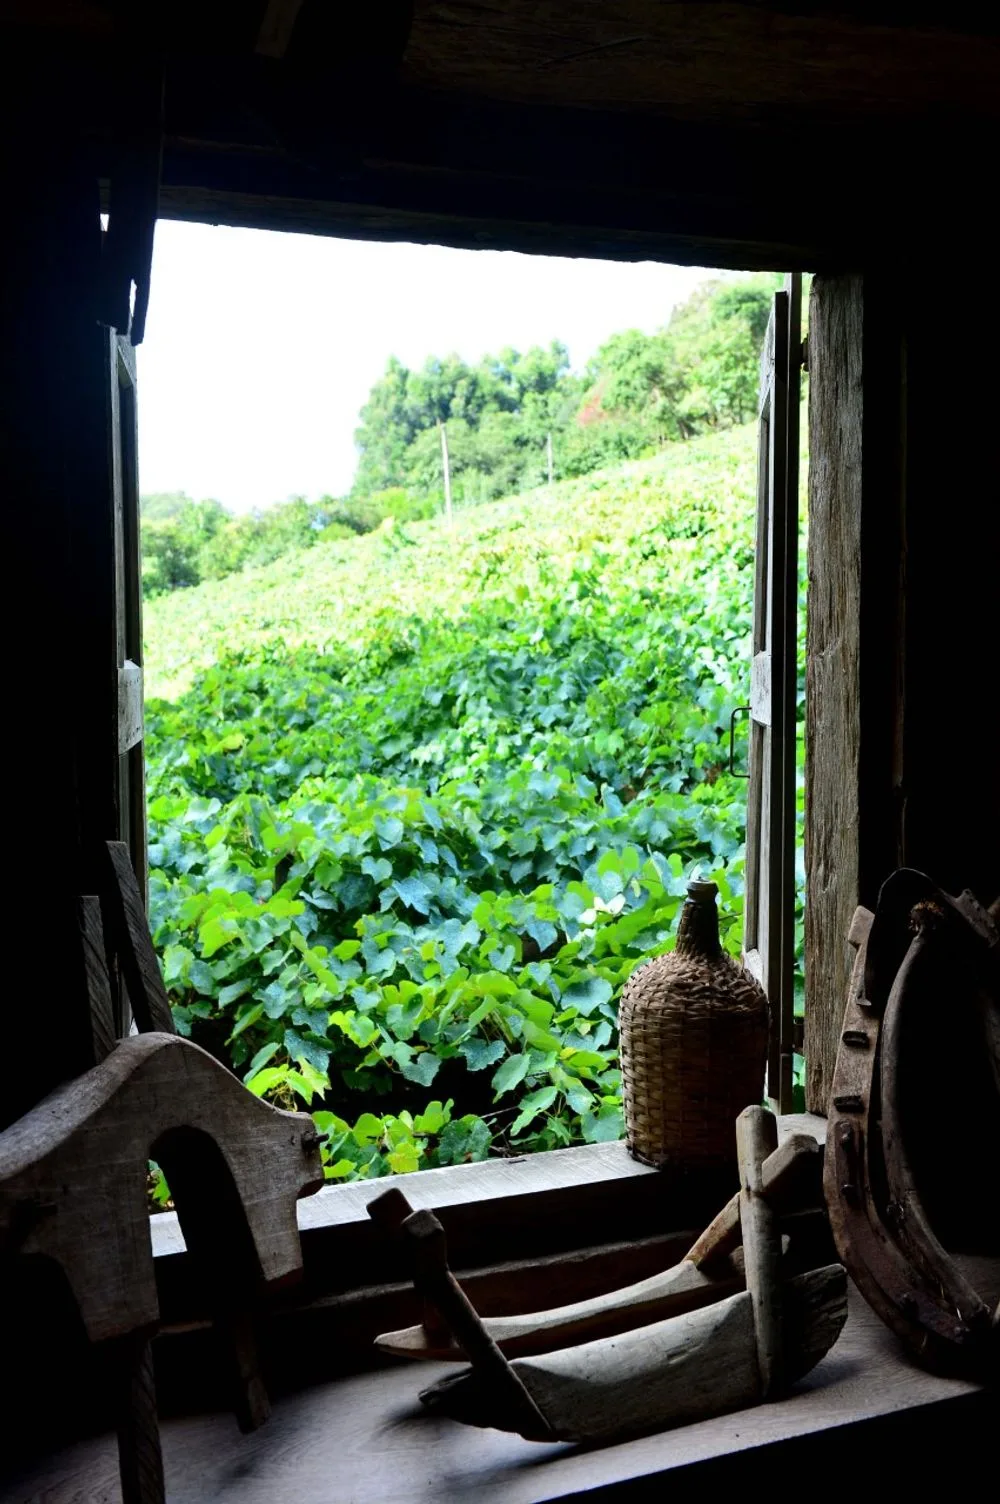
(740, 710)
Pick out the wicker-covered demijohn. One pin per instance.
(693, 1027)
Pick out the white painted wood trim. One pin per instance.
(130, 699)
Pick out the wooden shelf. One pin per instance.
(365, 1440)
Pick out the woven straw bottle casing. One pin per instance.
(693, 1046)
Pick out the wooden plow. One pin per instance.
(720, 1331)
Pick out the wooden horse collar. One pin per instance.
(927, 971)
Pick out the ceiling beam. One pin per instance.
(276, 27)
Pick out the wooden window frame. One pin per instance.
(769, 913)
(128, 603)
(777, 523)
(620, 1199)
(129, 771)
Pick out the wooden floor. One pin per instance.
(364, 1440)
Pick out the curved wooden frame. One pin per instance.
(73, 1177)
(879, 1224)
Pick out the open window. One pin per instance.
(770, 930)
(124, 476)
(769, 917)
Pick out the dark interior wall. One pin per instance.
(950, 741)
(60, 676)
(902, 693)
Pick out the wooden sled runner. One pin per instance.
(708, 1272)
(684, 1369)
(926, 977)
(740, 1349)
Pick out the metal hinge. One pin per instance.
(740, 710)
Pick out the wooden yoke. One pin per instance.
(73, 1175)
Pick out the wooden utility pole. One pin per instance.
(447, 471)
(548, 452)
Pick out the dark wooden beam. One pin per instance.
(333, 139)
(833, 735)
(739, 59)
(904, 538)
(245, 147)
(54, 476)
(276, 27)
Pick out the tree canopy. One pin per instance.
(640, 391)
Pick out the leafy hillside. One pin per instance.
(410, 835)
(507, 419)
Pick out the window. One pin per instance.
(242, 990)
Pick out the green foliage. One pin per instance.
(185, 541)
(189, 541)
(409, 837)
(698, 373)
(160, 506)
(177, 539)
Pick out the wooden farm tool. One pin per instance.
(735, 1352)
(121, 981)
(73, 1175)
(709, 1271)
(434, 1280)
(921, 948)
(114, 928)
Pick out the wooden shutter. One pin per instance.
(123, 457)
(769, 927)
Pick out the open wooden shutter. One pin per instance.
(769, 927)
(123, 444)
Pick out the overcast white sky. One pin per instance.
(261, 348)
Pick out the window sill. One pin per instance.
(523, 1234)
(546, 1206)
(593, 1166)
(517, 1224)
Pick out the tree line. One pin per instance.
(503, 415)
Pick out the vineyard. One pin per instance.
(421, 799)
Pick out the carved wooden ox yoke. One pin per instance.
(73, 1174)
(912, 1174)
